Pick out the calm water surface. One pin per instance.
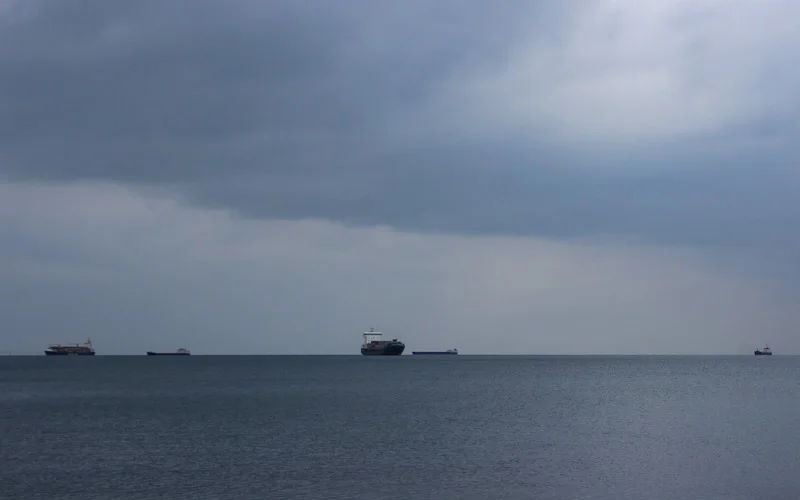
(350, 427)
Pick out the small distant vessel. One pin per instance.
(766, 351)
(179, 352)
(374, 346)
(70, 350)
(449, 352)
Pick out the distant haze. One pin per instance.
(500, 177)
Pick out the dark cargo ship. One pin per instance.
(766, 351)
(374, 346)
(70, 350)
(179, 352)
(449, 352)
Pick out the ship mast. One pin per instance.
(372, 336)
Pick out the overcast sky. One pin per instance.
(255, 176)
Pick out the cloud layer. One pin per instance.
(414, 115)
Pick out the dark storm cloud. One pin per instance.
(704, 207)
(296, 109)
(165, 90)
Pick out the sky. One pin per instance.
(509, 177)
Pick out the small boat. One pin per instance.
(766, 351)
(179, 352)
(449, 352)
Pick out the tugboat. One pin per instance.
(70, 350)
(766, 351)
(449, 352)
(179, 352)
(374, 346)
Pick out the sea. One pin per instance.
(409, 427)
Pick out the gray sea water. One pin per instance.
(351, 427)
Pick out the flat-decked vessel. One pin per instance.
(449, 352)
(374, 346)
(70, 350)
(179, 352)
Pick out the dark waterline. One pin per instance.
(413, 427)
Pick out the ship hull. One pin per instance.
(390, 350)
(56, 353)
(151, 353)
(762, 353)
(434, 353)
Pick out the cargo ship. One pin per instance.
(374, 346)
(70, 350)
(449, 352)
(766, 351)
(179, 352)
